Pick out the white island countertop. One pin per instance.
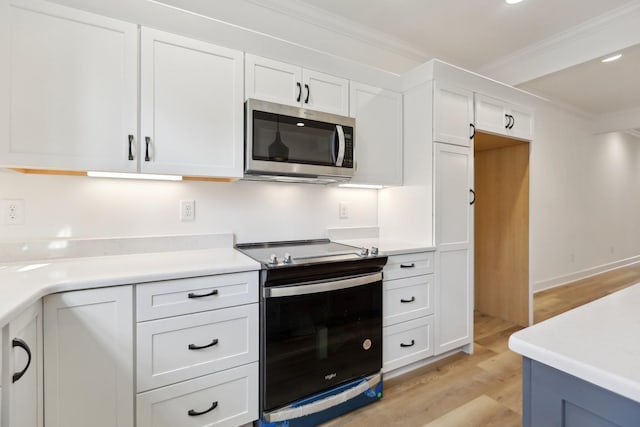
(598, 342)
(24, 282)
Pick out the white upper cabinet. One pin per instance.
(288, 84)
(191, 107)
(69, 88)
(453, 114)
(499, 117)
(378, 134)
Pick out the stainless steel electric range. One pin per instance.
(320, 326)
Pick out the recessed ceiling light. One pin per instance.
(612, 58)
(513, 1)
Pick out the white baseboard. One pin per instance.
(554, 282)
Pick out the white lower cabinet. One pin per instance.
(22, 400)
(197, 351)
(408, 307)
(88, 361)
(184, 347)
(224, 399)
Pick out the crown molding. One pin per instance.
(344, 26)
(626, 121)
(609, 32)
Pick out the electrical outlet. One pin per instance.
(13, 212)
(187, 210)
(343, 210)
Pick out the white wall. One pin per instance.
(82, 207)
(585, 199)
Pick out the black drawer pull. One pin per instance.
(413, 264)
(213, 292)
(194, 413)
(408, 300)
(17, 342)
(131, 147)
(200, 347)
(299, 92)
(403, 345)
(147, 142)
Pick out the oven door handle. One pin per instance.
(317, 287)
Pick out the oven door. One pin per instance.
(319, 335)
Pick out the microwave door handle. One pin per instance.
(341, 145)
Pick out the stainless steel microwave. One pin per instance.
(286, 143)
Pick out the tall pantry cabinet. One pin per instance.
(438, 124)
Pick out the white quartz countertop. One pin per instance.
(598, 342)
(22, 283)
(388, 247)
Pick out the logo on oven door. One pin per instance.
(330, 376)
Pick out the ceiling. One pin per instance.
(550, 48)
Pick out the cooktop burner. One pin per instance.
(302, 252)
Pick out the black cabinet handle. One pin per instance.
(299, 91)
(213, 292)
(408, 300)
(130, 147)
(473, 193)
(147, 141)
(17, 342)
(200, 347)
(194, 413)
(408, 265)
(513, 122)
(403, 345)
(506, 116)
(473, 130)
(306, 100)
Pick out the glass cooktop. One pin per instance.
(299, 252)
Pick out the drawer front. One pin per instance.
(400, 266)
(184, 296)
(407, 299)
(407, 342)
(233, 394)
(219, 339)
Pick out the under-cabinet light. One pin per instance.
(97, 174)
(369, 186)
(513, 1)
(612, 58)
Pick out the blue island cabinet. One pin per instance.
(552, 398)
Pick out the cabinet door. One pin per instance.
(191, 107)
(453, 114)
(522, 123)
(23, 383)
(88, 361)
(273, 81)
(491, 115)
(69, 88)
(323, 92)
(453, 180)
(378, 134)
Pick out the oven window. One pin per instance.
(317, 341)
(288, 139)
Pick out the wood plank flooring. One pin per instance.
(483, 389)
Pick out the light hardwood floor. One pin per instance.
(485, 388)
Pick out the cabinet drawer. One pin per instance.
(399, 266)
(407, 299)
(233, 392)
(183, 296)
(219, 339)
(407, 342)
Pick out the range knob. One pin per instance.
(364, 252)
(374, 251)
(287, 259)
(273, 259)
